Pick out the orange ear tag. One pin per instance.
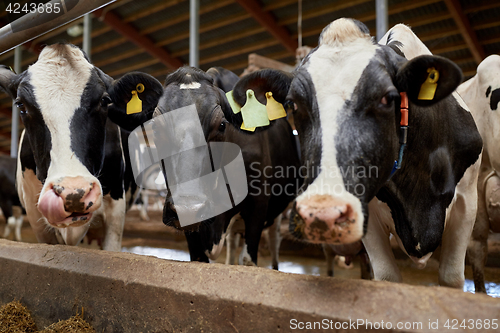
(274, 109)
(428, 88)
(135, 103)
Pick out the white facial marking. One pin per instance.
(192, 85)
(345, 60)
(59, 78)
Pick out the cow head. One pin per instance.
(63, 101)
(346, 96)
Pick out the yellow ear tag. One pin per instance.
(247, 129)
(230, 98)
(428, 88)
(253, 112)
(135, 103)
(274, 109)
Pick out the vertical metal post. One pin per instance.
(87, 34)
(15, 111)
(194, 33)
(382, 18)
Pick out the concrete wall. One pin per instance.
(122, 292)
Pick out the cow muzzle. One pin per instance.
(326, 219)
(70, 201)
(188, 210)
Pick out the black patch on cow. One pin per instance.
(307, 120)
(494, 99)
(397, 46)
(87, 126)
(223, 78)
(26, 155)
(37, 133)
(488, 91)
(128, 178)
(434, 162)
(111, 175)
(8, 192)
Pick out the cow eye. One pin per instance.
(20, 106)
(222, 126)
(389, 98)
(105, 101)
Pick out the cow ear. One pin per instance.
(416, 77)
(9, 81)
(223, 78)
(145, 87)
(262, 81)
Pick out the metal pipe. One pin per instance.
(32, 25)
(87, 35)
(382, 22)
(14, 135)
(194, 33)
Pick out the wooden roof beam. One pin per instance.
(466, 30)
(142, 41)
(269, 22)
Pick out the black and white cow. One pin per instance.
(346, 96)
(432, 199)
(71, 163)
(264, 153)
(9, 197)
(482, 95)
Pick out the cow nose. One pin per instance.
(327, 219)
(78, 194)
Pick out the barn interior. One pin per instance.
(153, 36)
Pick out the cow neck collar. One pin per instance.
(403, 127)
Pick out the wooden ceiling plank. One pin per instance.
(218, 41)
(134, 67)
(482, 6)
(267, 20)
(239, 51)
(491, 23)
(466, 30)
(128, 31)
(151, 10)
(185, 17)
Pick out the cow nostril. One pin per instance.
(58, 189)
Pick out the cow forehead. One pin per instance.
(59, 78)
(335, 72)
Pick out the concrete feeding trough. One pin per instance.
(123, 292)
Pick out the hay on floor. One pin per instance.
(75, 324)
(15, 318)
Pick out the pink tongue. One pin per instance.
(52, 207)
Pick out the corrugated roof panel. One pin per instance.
(226, 31)
(117, 50)
(237, 44)
(142, 57)
(132, 7)
(493, 48)
(170, 13)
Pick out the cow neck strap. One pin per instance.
(403, 127)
